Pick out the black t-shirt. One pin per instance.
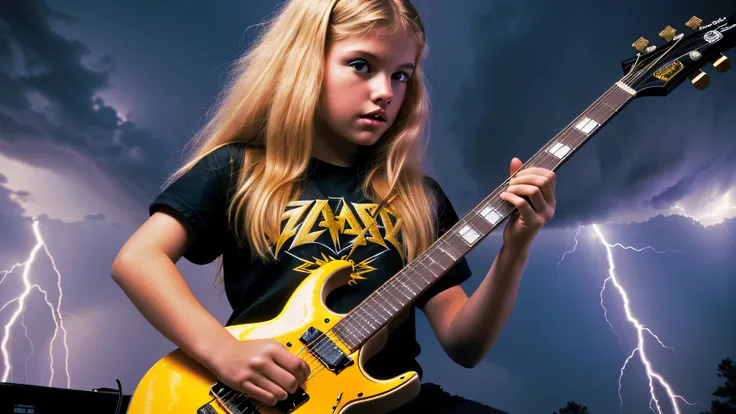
(333, 209)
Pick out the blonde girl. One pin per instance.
(313, 154)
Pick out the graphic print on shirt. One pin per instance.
(307, 220)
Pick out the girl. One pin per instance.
(319, 136)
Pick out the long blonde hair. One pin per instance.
(272, 103)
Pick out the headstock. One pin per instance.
(658, 69)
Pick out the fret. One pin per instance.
(361, 334)
(366, 321)
(399, 304)
(371, 321)
(352, 329)
(407, 288)
(375, 311)
(420, 272)
(344, 331)
(447, 253)
(455, 244)
(416, 277)
(417, 280)
(441, 258)
(432, 265)
(478, 222)
(369, 312)
(353, 332)
(377, 299)
(340, 334)
(397, 288)
(410, 276)
(610, 107)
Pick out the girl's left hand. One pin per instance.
(538, 185)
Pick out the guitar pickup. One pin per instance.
(326, 351)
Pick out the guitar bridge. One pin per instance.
(325, 350)
(238, 403)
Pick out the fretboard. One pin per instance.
(401, 290)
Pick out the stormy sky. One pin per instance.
(99, 99)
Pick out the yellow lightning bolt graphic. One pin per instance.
(640, 328)
(358, 269)
(20, 302)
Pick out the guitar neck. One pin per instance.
(401, 290)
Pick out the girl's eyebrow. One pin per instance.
(407, 65)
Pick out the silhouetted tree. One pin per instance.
(573, 408)
(727, 391)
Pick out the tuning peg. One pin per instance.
(721, 63)
(640, 44)
(694, 23)
(668, 33)
(700, 80)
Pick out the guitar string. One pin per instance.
(618, 101)
(321, 340)
(444, 241)
(393, 282)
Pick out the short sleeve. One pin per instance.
(446, 218)
(199, 198)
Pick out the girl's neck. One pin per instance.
(334, 150)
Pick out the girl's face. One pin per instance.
(365, 75)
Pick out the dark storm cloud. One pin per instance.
(49, 111)
(15, 231)
(539, 66)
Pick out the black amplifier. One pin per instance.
(34, 399)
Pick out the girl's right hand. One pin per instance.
(261, 368)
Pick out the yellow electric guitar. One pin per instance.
(336, 346)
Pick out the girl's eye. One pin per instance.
(359, 65)
(405, 76)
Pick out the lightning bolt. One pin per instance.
(718, 214)
(569, 251)
(28, 358)
(640, 349)
(640, 329)
(20, 302)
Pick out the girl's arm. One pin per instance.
(467, 327)
(145, 270)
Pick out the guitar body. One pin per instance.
(178, 384)
(338, 382)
